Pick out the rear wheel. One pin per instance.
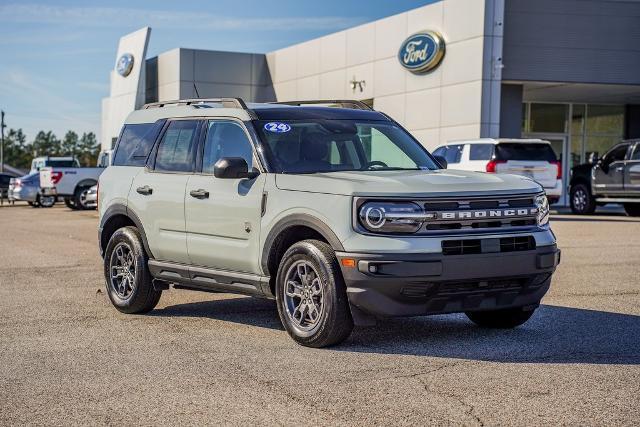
(128, 280)
(582, 202)
(311, 295)
(500, 319)
(47, 201)
(632, 209)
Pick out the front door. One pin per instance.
(223, 215)
(609, 172)
(632, 173)
(157, 193)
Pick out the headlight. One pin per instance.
(542, 204)
(392, 217)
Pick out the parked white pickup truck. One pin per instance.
(71, 183)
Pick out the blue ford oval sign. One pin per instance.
(421, 52)
(124, 64)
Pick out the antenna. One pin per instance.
(195, 88)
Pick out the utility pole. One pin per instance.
(2, 126)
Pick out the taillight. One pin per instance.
(56, 177)
(491, 166)
(559, 166)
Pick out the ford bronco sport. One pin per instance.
(338, 214)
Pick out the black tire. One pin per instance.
(500, 319)
(46, 201)
(142, 297)
(334, 323)
(632, 209)
(79, 197)
(70, 202)
(582, 201)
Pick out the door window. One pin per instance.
(176, 150)
(452, 153)
(225, 139)
(617, 154)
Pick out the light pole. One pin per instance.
(2, 126)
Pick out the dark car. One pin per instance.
(614, 178)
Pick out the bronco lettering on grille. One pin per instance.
(490, 213)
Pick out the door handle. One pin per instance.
(146, 190)
(199, 193)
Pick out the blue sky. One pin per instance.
(55, 56)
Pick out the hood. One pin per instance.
(420, 183)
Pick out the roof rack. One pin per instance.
(342, 103)
(226, 102)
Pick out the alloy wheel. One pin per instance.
(123, 271)
(580, 199)
(303, 295)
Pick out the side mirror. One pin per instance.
(233, 168)
(593, 158)
(442, 161)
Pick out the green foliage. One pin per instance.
(18, 153)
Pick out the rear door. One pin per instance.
(609, 172)
(535, 160)
(223, 215)
(632, 172)
(157, 193)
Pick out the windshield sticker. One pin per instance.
(277, 127)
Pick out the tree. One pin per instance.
(16, 150)
(88, 149)
(45, 144)
(69, 144)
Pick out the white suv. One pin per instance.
(533, 158)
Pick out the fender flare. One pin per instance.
(121, 209)
(293, 220)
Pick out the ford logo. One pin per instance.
(124, 64)
(421, 52)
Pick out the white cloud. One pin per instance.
(123, 17)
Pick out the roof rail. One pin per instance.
(226, 102)
(342, 103)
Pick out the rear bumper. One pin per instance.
(555, 191)
(420, 284)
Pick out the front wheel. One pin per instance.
(80, 197)
(311, 295)
(128, 280)
(500, 319)
(632, 209)
(582, 202)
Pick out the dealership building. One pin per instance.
(563, 70)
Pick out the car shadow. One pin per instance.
(554, 334)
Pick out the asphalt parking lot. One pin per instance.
(66, 356)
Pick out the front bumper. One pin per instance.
(392, 285)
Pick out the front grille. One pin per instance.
(477, 214)
(479, 246)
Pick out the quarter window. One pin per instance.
(176, 150)
(225, 139)
(636, 153)
(480, 151)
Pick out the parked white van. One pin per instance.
(533, 158)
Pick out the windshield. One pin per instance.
(309, 146)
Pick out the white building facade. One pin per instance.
(510, 68)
